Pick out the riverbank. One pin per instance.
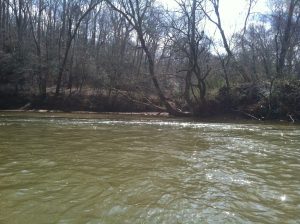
(251, 102)
(236, 116)
(225, 118)
(74, 102)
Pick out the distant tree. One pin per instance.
(189, 38)
(138, 14)
(215, 18)
(75, 17)
(286, 22)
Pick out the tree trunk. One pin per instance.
(161, 96)
(187, 94)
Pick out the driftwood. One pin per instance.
(149, 104)
(25, 107)
(291, 117)
(247, 114)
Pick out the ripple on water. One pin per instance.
(147, 171)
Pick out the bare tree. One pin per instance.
(218, 22)
(77, 17)
(284, 39)
(189, 38)
(136, 13)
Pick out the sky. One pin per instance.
(232, 12)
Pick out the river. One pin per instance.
(72, 168)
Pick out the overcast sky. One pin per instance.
(233, 13)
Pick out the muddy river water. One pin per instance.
(66, 168)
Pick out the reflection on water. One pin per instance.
(142, 170)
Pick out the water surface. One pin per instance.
(66, 168)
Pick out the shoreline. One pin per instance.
(238, 105)
(162, 114)
(229, 117)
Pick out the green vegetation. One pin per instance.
(125, 55)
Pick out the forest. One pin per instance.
(138, 55)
